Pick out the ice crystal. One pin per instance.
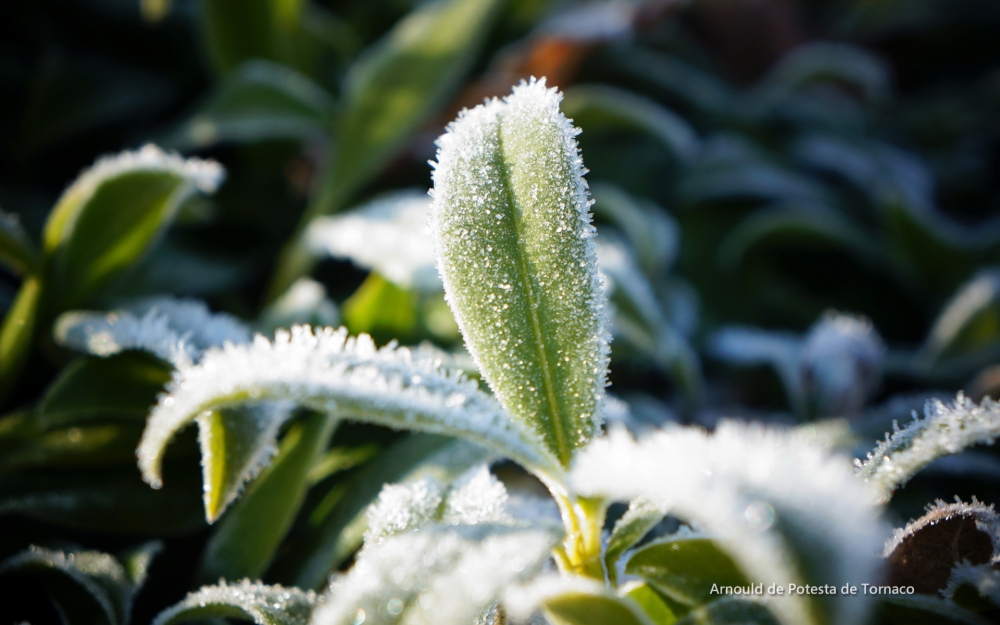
(265, 605)
(441, 575)
(475, 497)
(389, 235)
(511, 225)
(715, 480)
(176, 331)
(943, 430)
(986, 521)
(347, 377)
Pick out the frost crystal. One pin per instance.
(389, 235)
(265, 605)
(442, 575)
(176, 331)
(717, 480)
(511, 226)
(943, 430)
(348, 377)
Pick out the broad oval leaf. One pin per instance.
(512, 229)
(348, 378)
(108, 218)
(944, 429)
(779, 503)
(111, 583)
(17, 252)
(245, 600)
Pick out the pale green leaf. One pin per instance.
(109, 584)
(110, 216)
(259, 100)
(440, 575)
(244, 600)
(944, 429)
(572, 600)
(17, 252)
(640, 517)
(650, 602)
(348, 378)
(247, 538)
(512, 229)
(779, 503)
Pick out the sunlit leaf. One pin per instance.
(640, 517)
(512, 228)
(244, 600)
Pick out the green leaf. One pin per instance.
(305, 302)
(25, 442)
(651, 603)
(590, 105)
(236, 443)
(109, 585)
(259, 100)
(389, 93)
(729, 612)
(512, 228)
(580, 608)
(652, 232)
(122, 387)
(684, 568)
(17, 252)
(112, 214)
(347, 378)
(107, 499)
(247, 538)
(246, 600)
(16, 333)
(236, 31)
(969, 322)
(379, 306)
(337, 522)
(828, 62)
(640, 517)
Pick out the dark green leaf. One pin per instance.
(16, 333)
(640, 517)
(17, 252)
(236, 31)
(25, 442)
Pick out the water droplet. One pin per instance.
(359, 617)
(759, 515)
(394, 607)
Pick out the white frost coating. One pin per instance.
(713, 480)
(350, 377)
(943, 430)
(206, 175)
(265, 605)
(985, 516)
(442, 575)
(474, 497)
(512, 229)
(985, 579)
(176, 331)
(389, 235)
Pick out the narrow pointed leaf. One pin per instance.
(944, 429)
(16, 333)
(247, 538)
(26, 442)
(110, 585)
(17, 252)
(236, 443)
(969, 321)
(110, 216)
(512, 230)
(640, 517)
(779, 503)
(348, 378)
(244, 600)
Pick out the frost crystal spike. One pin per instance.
(511, 225)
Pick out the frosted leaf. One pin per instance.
(264, 605)
(347, 377)
(474, 497)
(441, 575)
(511, 225)
(110, 583)
(944, 429)
(236, 444)
(389, 235)
(176, 331)
(641, 516)
(972, 300)
(305, 302)
(983, 578)
(771, 498)
(841, 363)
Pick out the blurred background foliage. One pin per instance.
(755, 164)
